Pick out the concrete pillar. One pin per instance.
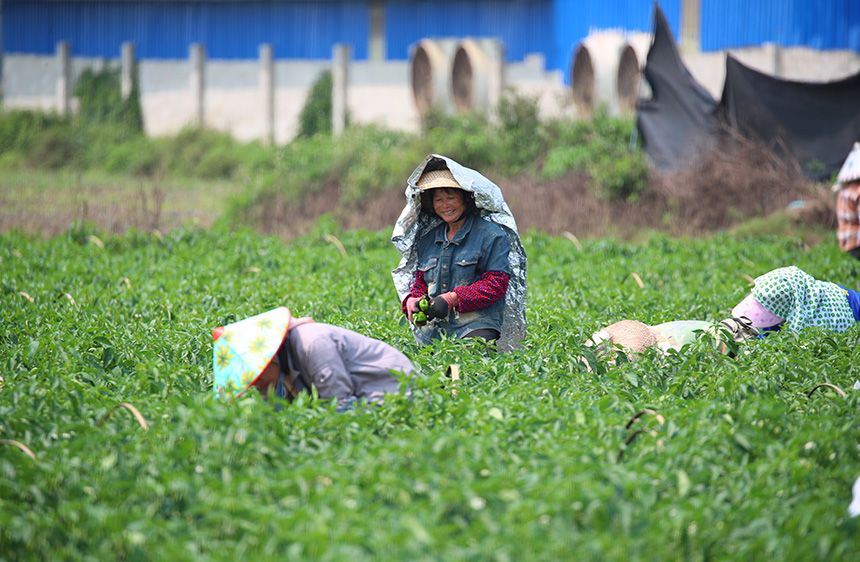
(690, 27)
(127, 69)
(64, 77)
(341, 55)
(773, 54)
(267, 91)
(778, 69)
(495, 51)
(197, 57)
(376, 44)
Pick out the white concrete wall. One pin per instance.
(378, 92)
(793, 63)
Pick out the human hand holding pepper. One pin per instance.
(441, 306)
(412, 306)
(416, 310)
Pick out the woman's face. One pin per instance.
(268, 378)
(449, 204)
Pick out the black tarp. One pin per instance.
(812, 123)
(679, 118)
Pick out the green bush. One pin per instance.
(373, 160)
(468, 139)
(137, 157)
(364, 160)
(563, 159)
(55, 148)
(19, 129)
(522, 133)
(316, 115)
(620, 176)
(601, 148)
(197, 152)
(100, 97)
(98, 140)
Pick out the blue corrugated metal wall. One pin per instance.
(524, 26)
(309, 28)
(820, 24)
(165, 30)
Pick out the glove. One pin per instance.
(411, 306)
(418, 306)
(441, 306)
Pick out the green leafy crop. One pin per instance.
(528, 457)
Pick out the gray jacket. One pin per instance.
(341, 363)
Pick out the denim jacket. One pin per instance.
(478, 247)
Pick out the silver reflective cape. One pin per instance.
(413, 224)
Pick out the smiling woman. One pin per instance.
(459, 261)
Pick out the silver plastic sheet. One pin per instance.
(413, 224)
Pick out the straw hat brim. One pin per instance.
(629, 334)
(437, 179)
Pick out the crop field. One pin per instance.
(530, 456)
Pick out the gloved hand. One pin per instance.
(416, 308)
(411, 306)
(441, 306)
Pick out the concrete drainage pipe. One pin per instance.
(477, 75)
(594, 73)
(431, 75)
(630, 85)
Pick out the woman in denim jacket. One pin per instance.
(470, 267)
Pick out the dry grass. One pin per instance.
(46, 203)
(731, 186)
(737, 181)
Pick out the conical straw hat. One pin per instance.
(243, 349)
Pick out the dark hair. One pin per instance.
(427, 200)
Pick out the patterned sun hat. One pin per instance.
(803, 301)
(850, 170)
(244, 349)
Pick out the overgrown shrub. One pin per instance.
(101, 101)
(100, 140)
(378, 160)
(138, 157)
(623, 175)
(511, 144)
(20, 128)
(601, 148)
(563, 159)
(316, 115)
(54, 148)
(197, 152)
(522, 133)
(469, 139)
(363, 161)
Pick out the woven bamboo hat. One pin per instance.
(437, 178)
(631, 335)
